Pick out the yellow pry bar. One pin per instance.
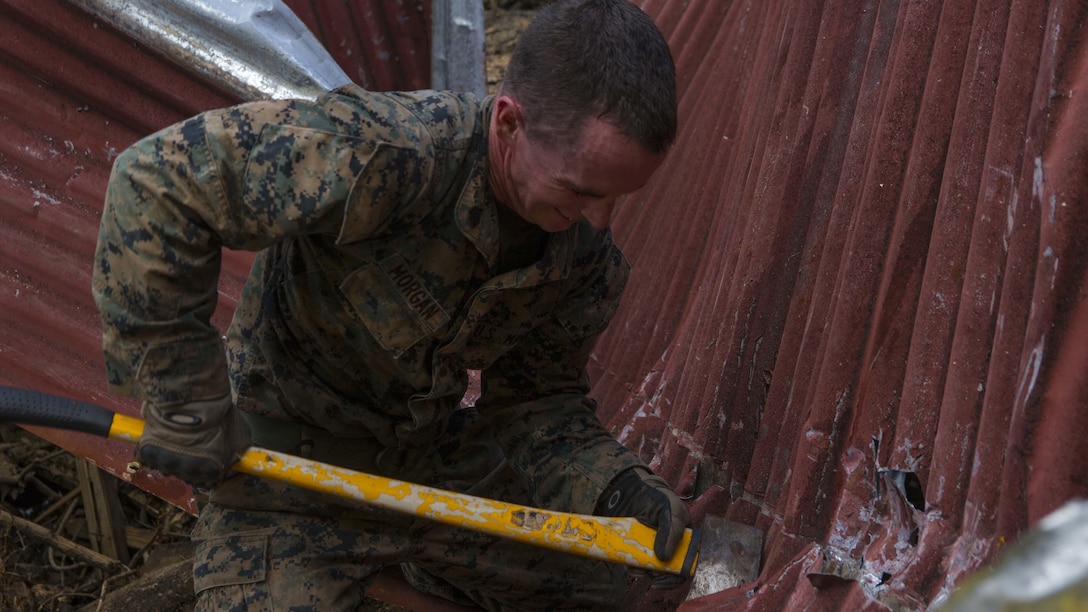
(619, 540)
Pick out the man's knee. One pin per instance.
(564, 582)
(276, 561)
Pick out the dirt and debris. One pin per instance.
(75, 538)
(501, 30)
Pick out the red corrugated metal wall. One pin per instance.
(73, 94)
(857, 316)
(865, 259)
(383, 46)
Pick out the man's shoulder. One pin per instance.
(449, 118)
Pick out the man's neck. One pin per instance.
(520, 243)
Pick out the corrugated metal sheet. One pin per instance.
(383, 45)
(857, 317)
(74, 93)
(862, 268)
(255, 50)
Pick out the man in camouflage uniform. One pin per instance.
(403, 238)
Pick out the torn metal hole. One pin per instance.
(909, 486)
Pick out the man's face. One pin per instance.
(555, 187)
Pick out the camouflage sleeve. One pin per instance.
(535, 400)
(244, 178)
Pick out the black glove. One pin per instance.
(195, 441)
(639, 493)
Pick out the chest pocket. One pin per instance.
(394, 304)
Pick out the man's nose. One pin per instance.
(599, 214)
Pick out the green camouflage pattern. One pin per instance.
(264, 545)
(250, 560)
(376, 286)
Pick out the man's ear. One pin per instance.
(509, 118)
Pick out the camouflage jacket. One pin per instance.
(375, 287)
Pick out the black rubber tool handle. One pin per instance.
(28, 407)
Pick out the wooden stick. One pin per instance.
(60, 543)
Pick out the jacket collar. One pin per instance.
(478, 221)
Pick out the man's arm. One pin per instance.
(245, 178)
(557, 445)
(535, 399)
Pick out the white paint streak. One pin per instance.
(1037, 178)
(1010, 220)
(45, 196)
(1031, 373)
(1048, 253)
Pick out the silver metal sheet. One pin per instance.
(257, 49)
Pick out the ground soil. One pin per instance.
(51, 559)
(52, 554)
(502, 28)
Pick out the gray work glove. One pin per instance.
(640, 493)
(196, 441)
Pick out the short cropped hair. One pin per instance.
(594, 58)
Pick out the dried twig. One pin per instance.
(60, 543)
(57, 505)
(60, 568)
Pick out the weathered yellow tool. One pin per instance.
(729, 557)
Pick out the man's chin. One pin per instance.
(556, 222)
(555, 226)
